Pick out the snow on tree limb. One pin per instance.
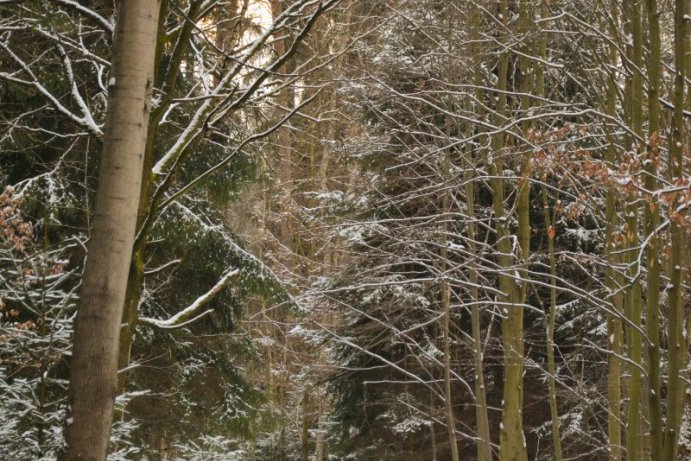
(86, 121)
(192, 312)
(107, 25)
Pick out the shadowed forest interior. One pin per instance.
(367, 230)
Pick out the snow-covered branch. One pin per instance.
(194, 311)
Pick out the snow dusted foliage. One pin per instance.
(37, 298)
(387, 352)
(211, 104)
(327, 326)
(212, 448)
(426, 121)
(38, 289)
(685, 432)
(29, 430)
(194, 373)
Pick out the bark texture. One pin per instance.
(511, 438)
(677, 344)
(615, 331)
(633, 297)
(651, 222)
(93, 374)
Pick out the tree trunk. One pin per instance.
(320, 449)
(432, 431)
(651, 222)
(511, 437)
(93, 374)
(446, 307)
(615, 333)
(676, 340)
(633, 297)
(549, 227)
(135, 283)
(484, 444)
(305, 424)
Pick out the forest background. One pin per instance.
(368, 230)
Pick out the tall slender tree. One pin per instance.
(551, 233)
(633, 299)
(675, 338)
(511, 437)
(484, 444)
(613, 282)
(651, 223)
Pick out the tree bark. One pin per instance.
(93, 374)
(651, 222)
(633, 298)
(446, 305)
(511, 438)
(615, 332)
(320, 447)
(549, 227)
(484, 444)
(135, 283)
(676, 342)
